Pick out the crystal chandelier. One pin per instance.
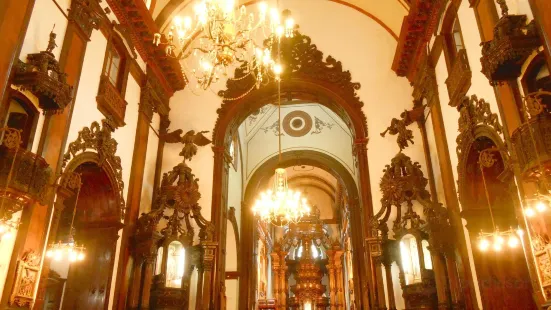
(281, 205)
(222, 36)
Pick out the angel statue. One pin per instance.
(190, 140)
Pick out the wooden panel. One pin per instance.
(487, 17)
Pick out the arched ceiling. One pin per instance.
(387, 13)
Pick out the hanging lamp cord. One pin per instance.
(487, 196)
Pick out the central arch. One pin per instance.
(307, 76)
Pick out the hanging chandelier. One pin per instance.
(281, 205)
(69, 250)
(222, 36)
(495, 240)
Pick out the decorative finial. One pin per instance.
(503, 6)
(51, 42)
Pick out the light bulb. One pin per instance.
(497, 247)
(529, 212)
(499, 240)
(80, 256)
(483, 244)
(278, 69)
(520, 232)
(177, 21)
(513, 241)
(540, 206)
(279, 31)
(49, 253)
(187, 22)
(289, 23)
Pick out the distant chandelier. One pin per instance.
(223, 36)
(280, 206)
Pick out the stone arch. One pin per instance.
(307, 76)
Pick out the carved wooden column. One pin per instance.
(135, 286)
(334, 267)
(389, 285)
(199, 297)
(209, 252)
(15, 15)
(282, 300)
(148, 268)
(332, 285)
(276, 265)
(439, 268)
(369, 287)
(453, 280)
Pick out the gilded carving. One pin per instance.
(99, 139)
(399, 126)
(42, 76)
(26, 279)
(86, 14)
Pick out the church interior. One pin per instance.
(276, 155)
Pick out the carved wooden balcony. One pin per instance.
(42, 76)
(110, 101)
(528, 155)
(27, 181)
(513, 42)
(459, 79)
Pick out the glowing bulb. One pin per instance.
(520, 232)
(529, 212)
(279, 31)
(513, 241)
(49, 253)
(80, 256)
(278, 69)
(540, 206)
(58, 255)
(497, 247)
(177, 21)
(7, 235)
(289, 23)
(72, 256)
(187, 22)
(274, 15)
(483, 244)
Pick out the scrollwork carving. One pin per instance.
(26, 279)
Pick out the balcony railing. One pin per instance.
(110, 102)
(459, 79)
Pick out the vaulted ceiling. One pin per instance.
(387, 13)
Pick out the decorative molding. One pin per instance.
(98, 138)
(417, 29)
(473, 113)
(297, 123)
(459, 78)
(43, 77)
(135, 16)
(110, 101)
(273, 128)
(513, 41)
(87, 15)
(304, 63)
(257, 114)
(319, 125)
(26, 278)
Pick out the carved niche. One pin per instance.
(514, 40)
(98, 138)
(26, 279)
(42, 76)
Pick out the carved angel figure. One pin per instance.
(51, 42)
(190, 140)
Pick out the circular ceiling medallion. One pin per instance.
(297, 123)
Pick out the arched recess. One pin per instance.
(500, 286)
(307, 76)
(259, 181)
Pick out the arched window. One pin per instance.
(175, 263)
(20, 113)
(409, 253)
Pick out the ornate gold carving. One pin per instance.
(474, 113)
(110, 102)
(26, 279)
(42, 76)
(98, 138)
(86, 14)
(24, 176)
(513, 42)
(459, 78)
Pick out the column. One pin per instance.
(275, 269)
(439, 268)
(332, 285)
(453, 280)
(134, 298)
(147, 280)
(209, 252)
(199, 296)
(389, 285)
(339, 279)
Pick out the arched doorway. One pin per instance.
(310, 77)
(96, 225)
(502, 275)
(259, 181)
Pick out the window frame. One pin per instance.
(116, 44)
(29, 132)
(449, 24)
